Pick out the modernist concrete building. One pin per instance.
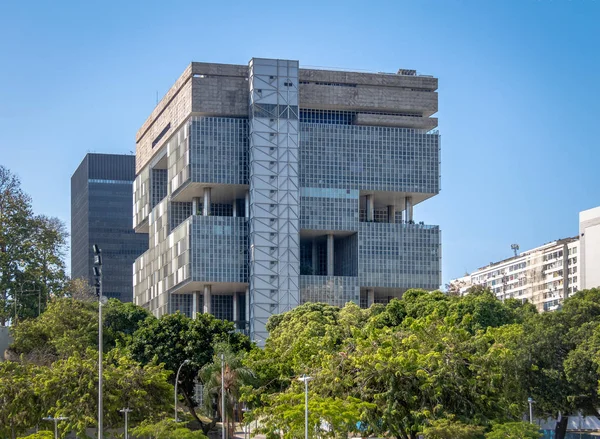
(589, 237)
(101, 192)
(263, 186)
(544, 276)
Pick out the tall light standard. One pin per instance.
(176, 381)
(126, 411)
(530, 401)
(60, 418)
(223, 394)
(101, 301)
(306, 379)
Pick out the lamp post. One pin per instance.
(101, 301)
(176, 381)
(223, 394)
(306, 379)
(530, 401)
(125, 411)
(60, 418)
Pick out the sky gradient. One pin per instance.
(518, 94)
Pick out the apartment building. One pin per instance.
(266, 185)
(544, 276)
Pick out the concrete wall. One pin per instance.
(5, 340)
(589, 233)
(222, 90)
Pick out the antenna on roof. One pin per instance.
(515, 248)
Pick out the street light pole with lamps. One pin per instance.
(530, 401)
(306, 379)
(176, 381)
(101, 301)
(126, 411)
(60, 418)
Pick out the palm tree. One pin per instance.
(235, 376)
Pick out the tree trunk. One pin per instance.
(560, 431)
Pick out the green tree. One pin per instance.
(451, 429)
(15, 213)
(19, 408)
(514, 430)
(32, 252)
(174, 338)
(70, 388)
(71, 325)
(558, 349)
(234, 377)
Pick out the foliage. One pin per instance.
(67, 327)
(166, 429)
(174, 338)
(42, 434)
(31, 253)
(234, 377)
(19, 408)
(69, 388)
(450, 429)
(514, 430)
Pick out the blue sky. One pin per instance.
(518, 94)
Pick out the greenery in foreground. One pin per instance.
(428, 364)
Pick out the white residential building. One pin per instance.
(544, 276)
(589, 237)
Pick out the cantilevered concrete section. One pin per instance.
(266, 185)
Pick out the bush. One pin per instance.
(514, 430)
(42, 434)
(450, 429)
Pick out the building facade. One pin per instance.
(589, 237)
(263, 186)
(101, 194)
(543, 276)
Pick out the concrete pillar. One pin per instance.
(194, 304)
(408, 208)
(195, 204)
(207, 294)
(315, 258)
(391, 214)
(236, 316)
(370, 207)
(206, 203)
(234, 208)
(330, 255)
(370, 296)
(247, 307)
(247, 204)
(402, 211)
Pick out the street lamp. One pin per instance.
(306, 379)
(530, 401)
(101, 301)
(223, 394)
(176, 381)
(60, 418)
(125, 411)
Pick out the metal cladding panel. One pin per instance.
(274, 191)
